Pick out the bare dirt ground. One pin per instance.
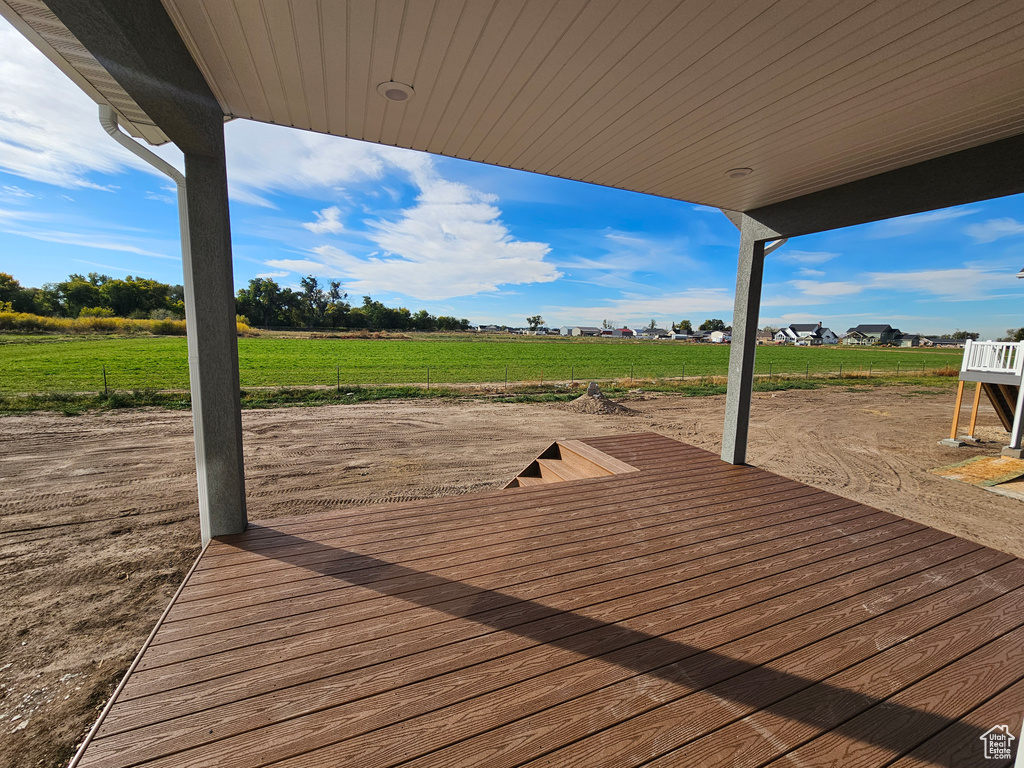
(98, 518)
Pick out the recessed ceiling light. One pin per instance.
(395, 91)
(739, 173)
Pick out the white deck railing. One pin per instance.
(994, 357)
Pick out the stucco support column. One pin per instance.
(137, 44)
(213, 349)
(744, 339)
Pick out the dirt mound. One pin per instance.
(597, 404)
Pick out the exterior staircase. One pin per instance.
(1004, 399)
(568, 460)
(999, 367)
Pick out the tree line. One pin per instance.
(266, 304)
(263, 303)
(95, 295)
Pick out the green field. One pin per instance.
(75, 364)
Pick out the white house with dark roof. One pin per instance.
(813, 334)
(865, 335)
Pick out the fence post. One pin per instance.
(807, 371)
(104, 380)
(339, 377)
(506, 377)
(840, 370)
(870, 366)
(572, 376)
(769, 370)
(428, 377)
(897, 369)
(630, 373)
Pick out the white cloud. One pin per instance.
(695, 305)
(49, 130)
(993, 229)
(806, 257)
(817, 289)
(36, 226)
(272, 275)
(908, 225)
(304, 266)
(112, 268)
(328, 221)
(267, 159)
(956, 284)
(10, 191)
(805, 272)
(451, 243)
(150, 195)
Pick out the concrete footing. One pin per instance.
(949, 442)
(1013, 453)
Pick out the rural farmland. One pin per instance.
(76, 364)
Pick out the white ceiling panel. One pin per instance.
(656, 96)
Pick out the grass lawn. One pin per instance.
(36, 363)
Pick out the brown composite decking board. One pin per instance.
(687, 613)
(586, 541)
(427, 617)
(604, 591)
(550, 576)
(574, 513)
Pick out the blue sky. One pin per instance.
(464, 239)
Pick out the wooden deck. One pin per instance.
(693, 613)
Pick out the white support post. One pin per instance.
(749, 274)
(1015, 449)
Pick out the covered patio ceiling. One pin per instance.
(664, 97)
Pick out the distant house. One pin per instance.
(653, 333)
(764, 337)
(906, 340)
(580, 330)
(813, 334)
(865, 335)
(719, 337)
(941, 341)
(489, 329)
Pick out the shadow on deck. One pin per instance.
(691, 613)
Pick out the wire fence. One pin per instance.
(113, 377)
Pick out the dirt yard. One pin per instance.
(98, 519)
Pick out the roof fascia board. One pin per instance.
(980, 173)
(136, 42)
